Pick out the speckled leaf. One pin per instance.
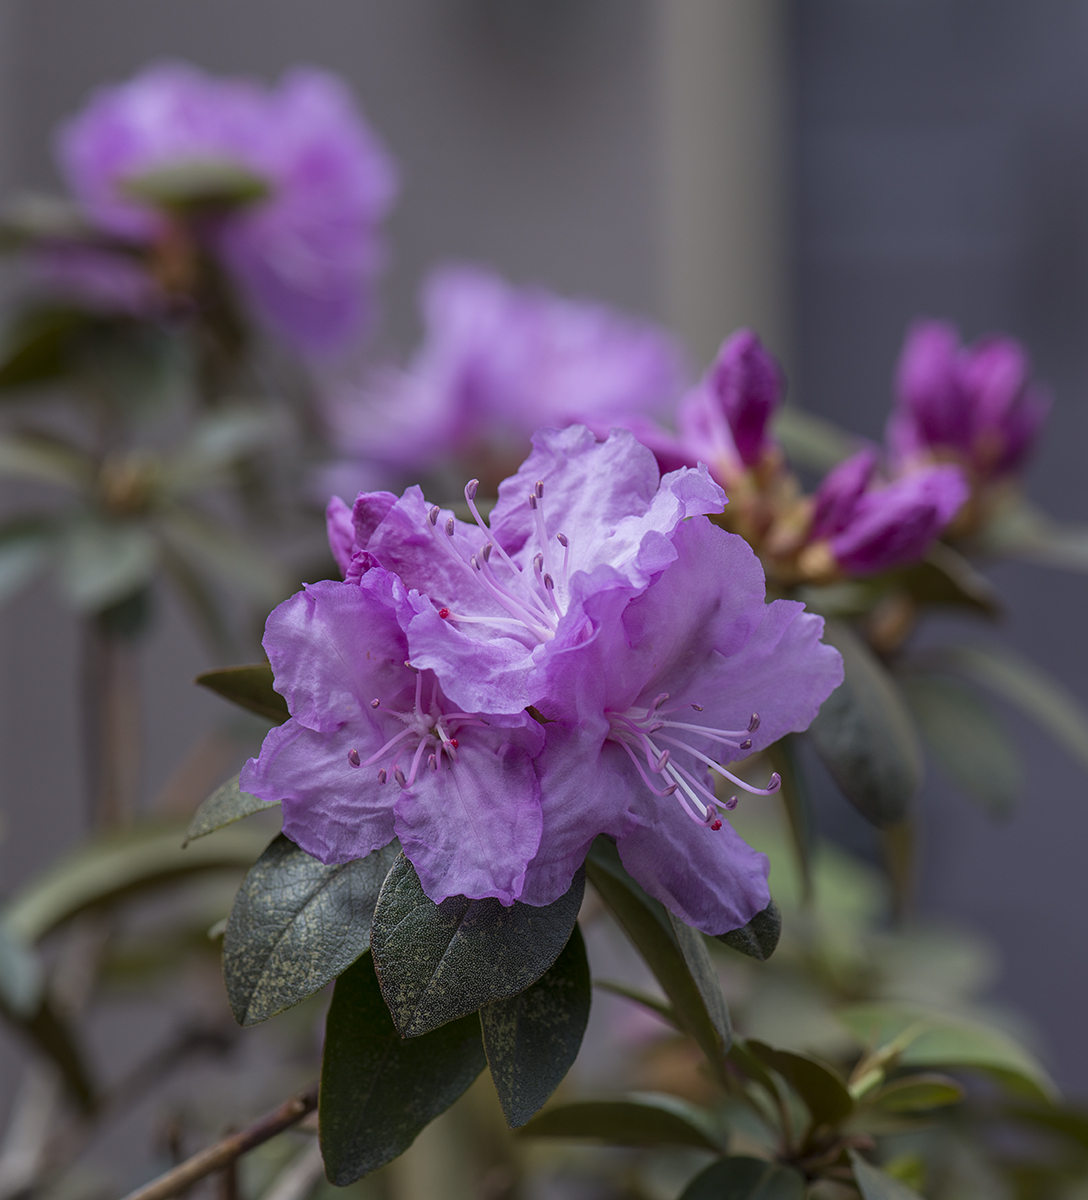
(224, 806)
(865, 735)
(533, 1038)
(759, 937)
(676, 954)
(875, 1185)
(637, 1119)
(378, 1090)
(249, 687)
(742, 1178)
(437, 962)
(295, 925)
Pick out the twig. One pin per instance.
(225, 1151)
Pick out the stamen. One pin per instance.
(432, 762)
(716, 824)
(485, 553)
(658, 701)
(731, 803)
(449, 527)
(539, 489)
(746, 744)
(398, 775)
(444, 613)
(470, 489)
(432, 514)
(662, 762)
(753, 724)
(538, 562)
(697, 707)
(381, 775)
(549, 582)
(375, 703)
(532, 500)
(354, 759)
(562, 539)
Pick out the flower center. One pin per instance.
(534, 601)
(651, 739)
(429, 736)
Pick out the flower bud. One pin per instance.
(840, 492)
(748, 386)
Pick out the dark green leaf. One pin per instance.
(918, 1093)
(947, 580)
(226, 555)
(1024, 531)
(676, 954)
(875, 1185)
(437, 962)
(637, 1119)
(812, 441)
(865, 736)
(100, 563)
(51, 1036)
(40, 346)
(967, 739)
(20, 975)
(24, 549)
(533, 1038)
(818, 1085)
(1020, 682)
(1065, 1120)
(117, 864)
(759, 937)
(224, 806)
(378, 1090)
(248, 687)
(295, 925)
(197, 186)
(797, 804)
(741, 1178)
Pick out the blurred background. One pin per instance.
(823, 172)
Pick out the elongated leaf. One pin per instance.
(967, 739)
(45, 461)
(1025, 532)
(226, 555)
(117, 864)
(741, 1178)
(865, 736)
(224, 806)
(759, 937)
(638, 996)
(875, 1185)
(51, 1036)
(248, 687)
(437, 962)
(797, 804)
(637, 1119)
(818, 1085)
(945, 579)
(1034, 692)
(679, 960)
(295, 925)
(40, 345)
(24, 550)
(102, 562)
(533, 1038)
(919, 1093)
(378, 1090)
(930, 1039)
(812, 441)
(20, 976)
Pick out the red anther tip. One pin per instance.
(454, 743)
(716, 824)
(444, 613)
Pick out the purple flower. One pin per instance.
(597, 589)
(498, 362)
(306, 255)
(894, 525)
(375, 749)
(974, 403)
(836, 501)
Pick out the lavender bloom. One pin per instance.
(306, 255)
(975, 403)
(894, 525)
(498, 362)
(374, 749)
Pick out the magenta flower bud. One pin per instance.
(929, 386)
(895, 525)
(748, 385)
(840, 492)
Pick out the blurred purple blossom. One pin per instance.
(976, 404)
(306, 255)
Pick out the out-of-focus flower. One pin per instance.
(498, 362)
(976, 404)
(859, 529)
(598, 589)
(305, 252)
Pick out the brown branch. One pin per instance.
(225, 1151)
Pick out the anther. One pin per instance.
(746, 744)
(731, 803)
(470, 489)
(354, 759)
(532, 499)
(753, 724)
(658, 701)
(432, 762)
(549, 582)
(538, 562)
(716, 824)
(375, 703)
(670, 789)
(563, 540)
(662, 762)
(539, 489)
(444, 613)
(485, 553)
(398, 775)
(449, 527)
(454, 743)
(774, 783)
(697, 707)
(432, 514)
(382, 775)
(414, 670)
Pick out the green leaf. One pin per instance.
(40, 345)
(295, 925)
(102, 562)
(437, 962)
(533, 1038)
(918, 1093)
(797, 804)
(818, 1085)
(945, 579)
(24, 549)
(1025, 532)
(378, 1090)
(197, 186)
(52, 1037)
(224, 806)
(676, 954)
(1013, 678)
(865, 736)
(20, 976)
(248, 687)
(45, 460)
(875, 1185)
(741, 1178)
(812, 441)
(637, 1119)
(113, 865)
(638, 996)
(759, 937)
(966, 738)
(928, 1039)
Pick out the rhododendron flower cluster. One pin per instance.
(497, 696)
(305, 252)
